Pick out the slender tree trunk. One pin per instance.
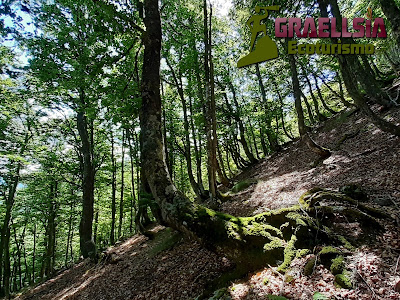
(310, 114)
(96, 226)
(236, 115)
(281, 110)
(17, 261)
(272, 138)
(113, 190)
(320, 117)
(253, 137)
(210, 108)
(196, 150)
(133, 194)
(34, 254)
(121, 202)
(6, 264)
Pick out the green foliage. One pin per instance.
(319, 296)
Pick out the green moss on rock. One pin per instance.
(343, 280)
(329, 250)
(288, 254)
(337, 265)
(242, 185)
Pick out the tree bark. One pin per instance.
(211, 124)
(113, 190)
(87, 246)
(236, 115)
(133, 194)
(272, 138)
(392, 13)
(121, 201)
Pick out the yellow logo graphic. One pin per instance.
(265, 48)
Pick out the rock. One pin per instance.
(309, 266)
(337, 265)
(343, 280)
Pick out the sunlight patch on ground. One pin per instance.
(70, 291)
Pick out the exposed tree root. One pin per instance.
(277, 237)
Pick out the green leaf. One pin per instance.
(319, 296)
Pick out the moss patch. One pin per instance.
(343, 280)
(288, 254)
(309, 266)
(337, 265)
(242, 185)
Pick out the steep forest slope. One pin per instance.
(170, 266)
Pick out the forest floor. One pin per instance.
(170, 266)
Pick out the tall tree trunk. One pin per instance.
(113, 189)
(121, 201)
(210, 107)
(87, 246)
(6, 264)
(34, 254)
(5, 228)
(272, 138)
(320, 117)
(309, 111)
(48, 267)
(281, 105)
(197, 153)
(133, 194)
(253, 137)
